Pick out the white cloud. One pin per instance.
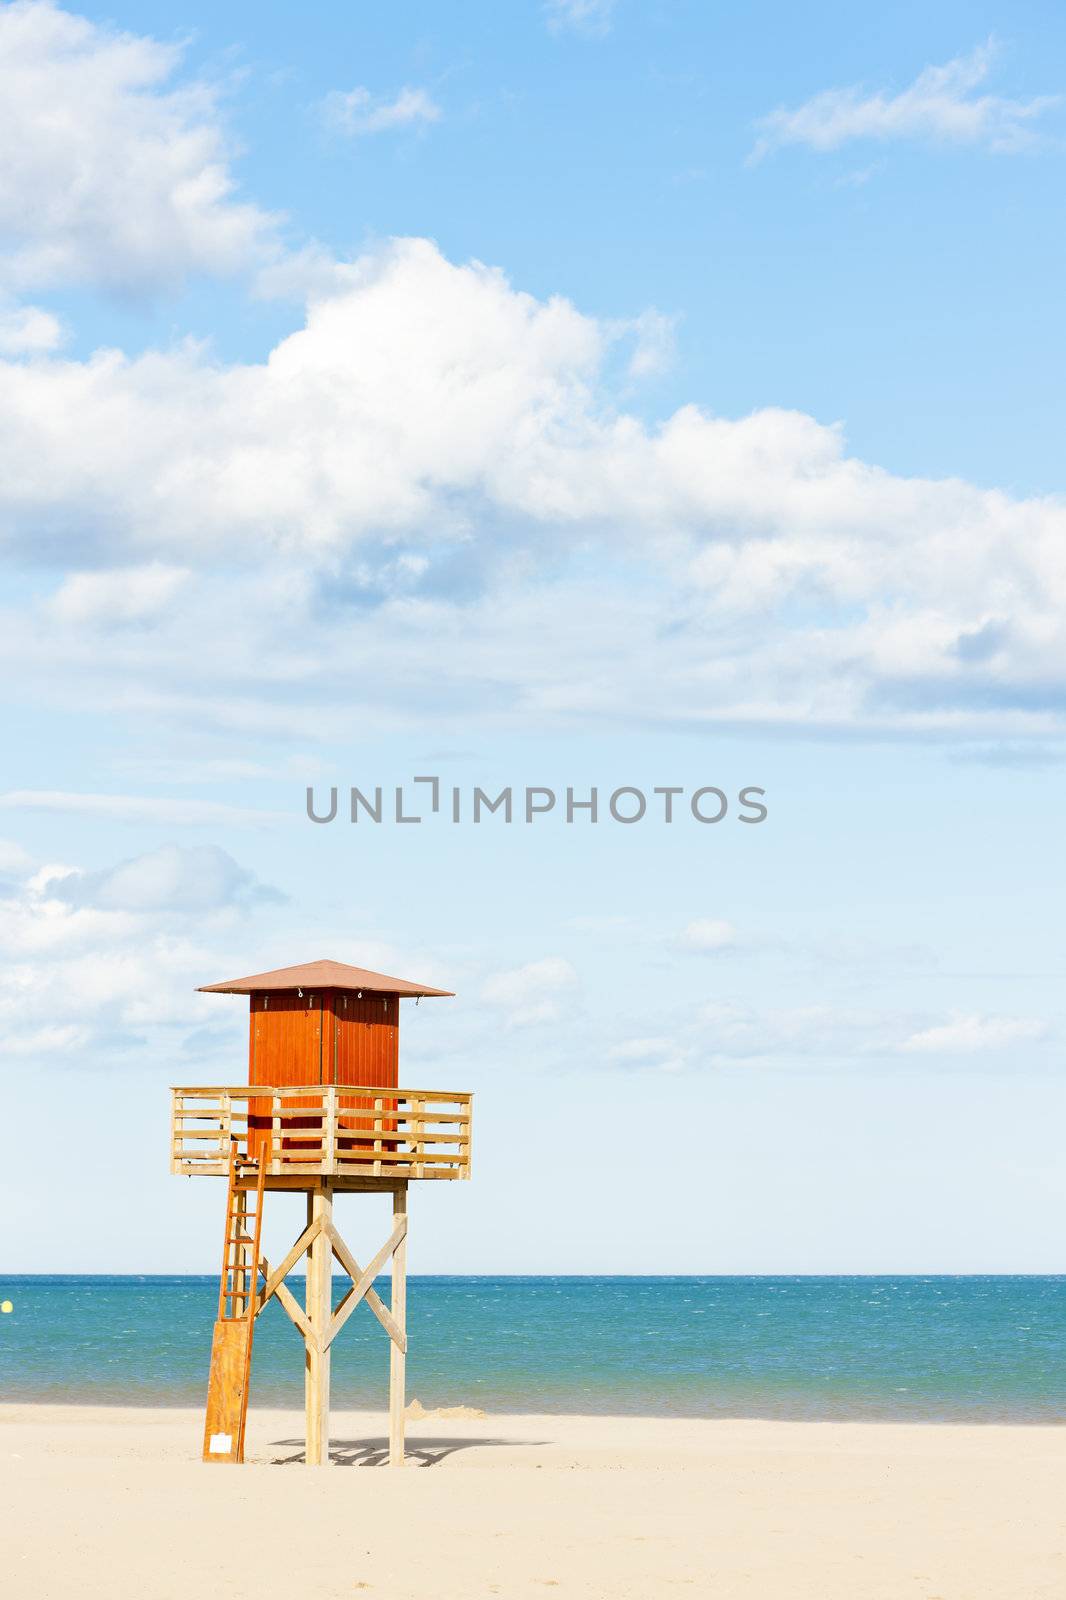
(708, 933)
(412, 383)
(13, 858)
(79, 979)
(125, 595)
(358, 111)
(966, 1035)
(655, 343)
(45, 1042)
(27, 330)
(113, 174)
(93, 962)
(171, 878)
(439, 458)
(940, 106)
(728, 1032)
(858, 1035)
(591, 17)
(533, 993)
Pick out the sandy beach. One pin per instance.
(115, 1502)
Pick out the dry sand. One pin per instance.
(116, 1503)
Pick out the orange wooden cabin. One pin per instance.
(322, 1023)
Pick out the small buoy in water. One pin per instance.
(5, 1305)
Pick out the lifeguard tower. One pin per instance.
(322, 1112)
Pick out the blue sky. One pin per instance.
(558, 395)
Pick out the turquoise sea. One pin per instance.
(930, 1349)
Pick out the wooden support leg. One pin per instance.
(319, 1309)
(397, 1357)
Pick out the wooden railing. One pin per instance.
(336, 1130)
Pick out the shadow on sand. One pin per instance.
(375, 1452)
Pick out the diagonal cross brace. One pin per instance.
(289, 1301)
(362, 1289)
(275, 1284)
(279, 1274)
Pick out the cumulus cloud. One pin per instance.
(126, 595)
(412, 384)
(357, 111)
(439, 457)
(114, 172)
(93, 961)
(27, 330)
(80, 979)
(941, 106)
(533, 993)
(430, 492)
(171, 878)
(968, 1035)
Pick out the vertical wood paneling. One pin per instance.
(366, 1039)
(285, 1047)
(324, 1038)
(367, 1052)
(332, 1037)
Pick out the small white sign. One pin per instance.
(220, 1444)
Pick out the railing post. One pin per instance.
(275, 1132)
(379, 1108)
(329, 1130)
(465, 1130)
(226, 1121)
(420, 1142)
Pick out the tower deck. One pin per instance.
(361, 1137)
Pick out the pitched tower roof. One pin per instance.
(321, 975)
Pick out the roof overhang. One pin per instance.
(323, 975)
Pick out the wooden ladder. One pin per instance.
(231, 1347)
